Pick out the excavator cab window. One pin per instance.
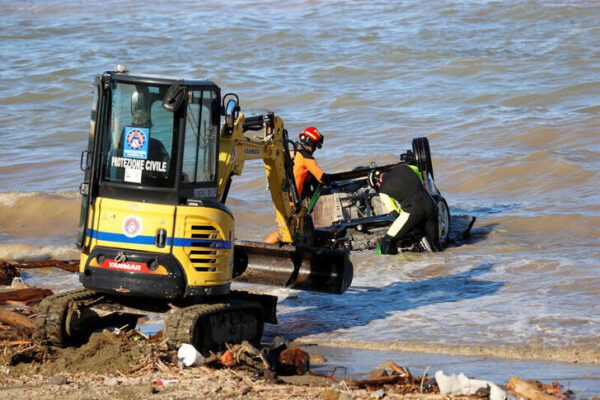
(139, 144)
(200, 148)
(159, 137)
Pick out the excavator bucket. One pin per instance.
(317, 270)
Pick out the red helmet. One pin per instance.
(311, 137)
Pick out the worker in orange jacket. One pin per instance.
(306, 170)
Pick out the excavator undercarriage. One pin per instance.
(68, 318)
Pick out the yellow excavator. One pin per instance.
(155, 234)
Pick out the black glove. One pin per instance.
(388, 245)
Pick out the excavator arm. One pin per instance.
(294, 262)
(238, 144)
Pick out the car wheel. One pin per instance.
(443, 218)
(420, 148)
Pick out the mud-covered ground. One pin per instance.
(120, 364)
(130, 366)
(196, 383)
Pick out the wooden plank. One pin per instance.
(23, 296)
(527, 390)
(71, 266)
(15, 319)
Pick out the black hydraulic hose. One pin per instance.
(289, 168)
(226, 191)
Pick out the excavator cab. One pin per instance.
(145, 126)
(152, 161)
(146, 137)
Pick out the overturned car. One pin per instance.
(347, 213)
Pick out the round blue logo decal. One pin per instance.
(136, 139)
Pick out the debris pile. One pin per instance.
(130, 354)
(7, 272)
(274, 371)
(535, 390)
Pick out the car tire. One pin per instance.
(444, 219)
(420, 148)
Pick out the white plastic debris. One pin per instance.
(189, 356)
(17, 283)
(460, 384)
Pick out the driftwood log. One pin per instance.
(15, 319)
(526, 389)
(386, 380)
(23, 297)
(71, 266)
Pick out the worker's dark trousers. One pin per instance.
(421, 210)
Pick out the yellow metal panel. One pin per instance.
(200, 238)
(131, 225)
(89, 223)
(204, 245)
(82, 260)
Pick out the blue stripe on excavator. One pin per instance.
(150, 240)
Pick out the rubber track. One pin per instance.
(179, 325)
(49, 322)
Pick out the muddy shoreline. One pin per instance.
(526, 353)
(583, 378)
(126, 364)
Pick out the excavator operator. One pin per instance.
(403, 195)
(306, 168)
